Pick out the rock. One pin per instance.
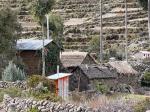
(79, 109)
(45, 103)
(12, 107)
(45, 110)
(41, 107)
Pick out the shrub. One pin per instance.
(12, 73)
(101, 88)
(33, 110)
(142, 106)
(146, 79)
(40, 95)
(34, 80)
(12, 92)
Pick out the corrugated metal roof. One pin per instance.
(58, 76)
(31, 44)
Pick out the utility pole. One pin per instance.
(101, 34)
(47, 18)
(149, 19)
(43, 52)
(126, 31)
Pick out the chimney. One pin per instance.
(57, 69)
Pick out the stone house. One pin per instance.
(30, 51)
(141, 55)
(70, 60)
(84, 77)
(125, 73)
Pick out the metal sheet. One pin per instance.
(31, 44)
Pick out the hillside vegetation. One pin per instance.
(82, 18)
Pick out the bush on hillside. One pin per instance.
(101, 87)
(34, 80)
(13, 73)
(33, 110)
(142, 106)
(12, 92)
(146, 79)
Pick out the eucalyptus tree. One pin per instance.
(55, 25)
(9, 32)
(40, 9)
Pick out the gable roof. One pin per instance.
(31, 44)
(98, 72)
(122, 67)
(73, 59)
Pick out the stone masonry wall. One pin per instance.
(22, 105)
(19, 84)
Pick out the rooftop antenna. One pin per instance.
(126, 31)
(101, 34)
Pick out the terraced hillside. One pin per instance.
(82, 18)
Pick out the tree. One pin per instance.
(55, 25)
(9, 28)
(94, 47)
(144, 4)
(9, 32)
(112, 51)
(39, 8)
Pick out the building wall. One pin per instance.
(89, 60)
(85, 82)
(78, 79)
(32, 62)
(130, 79)
(109, 82)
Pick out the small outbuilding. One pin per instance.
(84, 77)
(30, 51)
(62, 84)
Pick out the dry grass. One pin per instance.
(117, 102)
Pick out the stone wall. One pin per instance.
(19, 84)
(22, 105)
